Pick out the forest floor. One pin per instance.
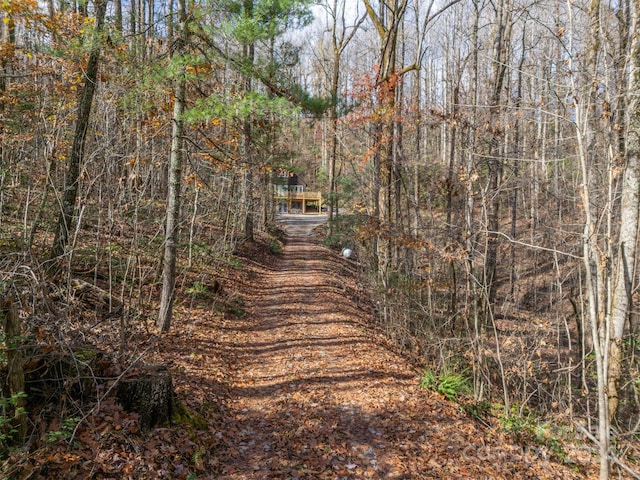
(295, 384)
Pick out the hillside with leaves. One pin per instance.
(480, 158)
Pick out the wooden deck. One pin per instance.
(299, 202)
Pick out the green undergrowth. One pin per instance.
(528, 430)
(200, 291)
(450, 385)
(521, 425)
(344, 231)
(9, 411)
(276, 239)
(194, 423)
(65, 432)
(237, 311)
(276, 246)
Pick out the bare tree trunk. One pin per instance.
(470, 236)
(516, 163)
(495, 164)
(65, 221)
(387, 23)
(596, 276)
(117, 6)
(333, 115)
(625, 268)
(175, 180)
(249, 54)
(7, 42)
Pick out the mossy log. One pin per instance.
(150, 394)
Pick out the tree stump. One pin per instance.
(150, 394)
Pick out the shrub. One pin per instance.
(527, 430)
(66, 430)
(9, 410)
(275, 246)
(198, 290)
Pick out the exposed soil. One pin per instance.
(315, 395)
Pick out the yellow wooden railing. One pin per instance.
(300, 202)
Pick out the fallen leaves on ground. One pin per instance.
(299, 387)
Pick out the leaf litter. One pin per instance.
(300, 386)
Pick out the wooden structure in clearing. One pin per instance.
(293, 198)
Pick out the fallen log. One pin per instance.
(96, 298)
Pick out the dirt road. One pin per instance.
(300, 225)
(315, 395)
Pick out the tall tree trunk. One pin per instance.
(625, 269)
(516, 162)
(596, 274)
(249, 54)
(339, 41)
(333, 115)
(76, 157)
(333, 132)
(117, 7)
(472, 310)
(174, 184)
(387, 24)
(450, 185)
(7, 47)
(495, 163)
